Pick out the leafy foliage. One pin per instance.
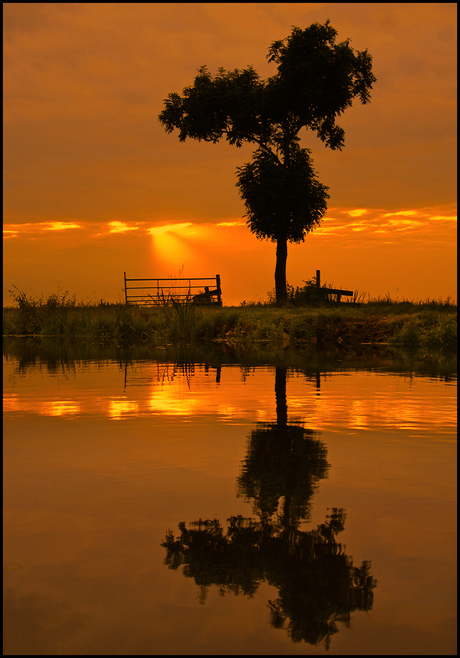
(283, 200)
(317, 80)
(282, 462)
(316, 580)
(229, 104)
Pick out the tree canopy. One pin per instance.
(282, 200)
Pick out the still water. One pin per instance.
(154, 507)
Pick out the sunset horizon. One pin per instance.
(229, 328)
(94, 187)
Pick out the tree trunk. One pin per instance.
(280, 396)
(280, 271)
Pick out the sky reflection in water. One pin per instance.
(311, 494)
(359, 400)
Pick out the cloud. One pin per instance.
(237, 223)
(358, 212)
(375, 221)
(28, 228)
(84, 83)
(60, 226)
(121, 227)
(400, 212)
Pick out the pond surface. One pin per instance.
(153, 507)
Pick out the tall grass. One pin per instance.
(63, 315)
(179, 314)
(180, 319)
(431, 324)
(309, 295)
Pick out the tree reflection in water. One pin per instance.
(316, 581)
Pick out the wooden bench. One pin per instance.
(158, 292)
(331, 291)
(207, 297)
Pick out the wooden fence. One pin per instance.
(331, 291)
(157, 292)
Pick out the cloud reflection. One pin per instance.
(172, 392)
(62, 408)
(118, 409)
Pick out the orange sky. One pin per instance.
(89, 170)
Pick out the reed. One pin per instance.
(179, 315)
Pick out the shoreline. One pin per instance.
(333, 326)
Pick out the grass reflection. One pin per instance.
(210, 386)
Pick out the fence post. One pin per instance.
(318, 279)
(219, 291)
(126, 292)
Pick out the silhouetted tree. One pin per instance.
(316, 81)
(316, 581)
(284, 462)
(284, 202)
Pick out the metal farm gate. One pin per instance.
(157, 292)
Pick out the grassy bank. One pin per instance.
(322, 323)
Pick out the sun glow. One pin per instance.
(351, 249)
(168, 228)
(171, 247)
